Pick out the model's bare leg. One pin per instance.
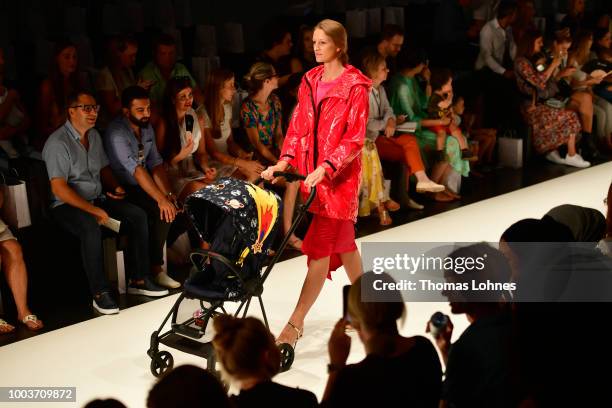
(352, 265)
(315, 279)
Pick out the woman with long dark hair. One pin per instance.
(63, 80)
(179, 139)
(552, 126)
(217, 113)
(324, 142)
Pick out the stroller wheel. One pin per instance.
(287, 355)
(161, 362)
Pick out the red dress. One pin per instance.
(330, 133)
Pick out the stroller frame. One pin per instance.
(184, 336)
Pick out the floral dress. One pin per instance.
(552, 127)
(267, 126)
(408, 98)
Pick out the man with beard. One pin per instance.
(86, 195)
(133, 156)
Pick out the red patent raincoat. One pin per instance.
(330, 134)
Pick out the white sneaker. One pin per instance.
(555, 157)
(429, 187)
(576, 161)
(162, 279)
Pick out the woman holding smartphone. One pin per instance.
(324, 141)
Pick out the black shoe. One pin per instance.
(146, 288)
(105, 304)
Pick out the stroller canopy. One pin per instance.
(253, 210)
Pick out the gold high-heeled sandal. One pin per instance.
(300, 333)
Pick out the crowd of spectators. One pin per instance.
(132, 146)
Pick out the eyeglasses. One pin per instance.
(87, 108)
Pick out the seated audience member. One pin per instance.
(86, 194)
(106, 403)
(64, 79)
(133, 156)
(187, 386)
(486, 138)
(478, 376)
(277, 42)
(578, 100)
(546, 379)
(220, 145)
(553, 126)
(14, 120)
(602, 40)
(390, 44)
(582, 82)
(163, 67)
(180, 140)
(117, 75)
(409, 102)
(381, 140)
(585, 224)
(440, 108)
(495, 67)
(250, 359)
(261, 115)
(605, 245)
(392, 362)
(11, 261)
(304, 58)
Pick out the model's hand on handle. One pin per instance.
(314, 178)
(268, 174)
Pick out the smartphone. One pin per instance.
(345, 293)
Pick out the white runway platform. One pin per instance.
(106, 356)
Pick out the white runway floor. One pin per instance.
(106, 356)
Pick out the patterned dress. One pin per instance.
(267, 126)
(552, 127)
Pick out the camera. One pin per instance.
(438, 323)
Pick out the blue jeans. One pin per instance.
(85, 227)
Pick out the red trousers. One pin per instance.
(403, 148)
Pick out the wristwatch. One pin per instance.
(334, 367)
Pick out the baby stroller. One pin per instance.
(240, 221)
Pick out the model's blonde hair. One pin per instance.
(337, 33)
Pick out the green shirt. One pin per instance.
(151, 73)
(408, 98)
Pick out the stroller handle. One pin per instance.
(290, 177)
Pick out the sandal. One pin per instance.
(299, 332)
(5, 327)
(385, 218)
(391, 205)
(32, 322)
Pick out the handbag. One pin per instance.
(16, 209)
(510, 151)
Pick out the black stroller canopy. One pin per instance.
(254, 211)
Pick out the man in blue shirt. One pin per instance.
(86, 195)
(133, 156)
